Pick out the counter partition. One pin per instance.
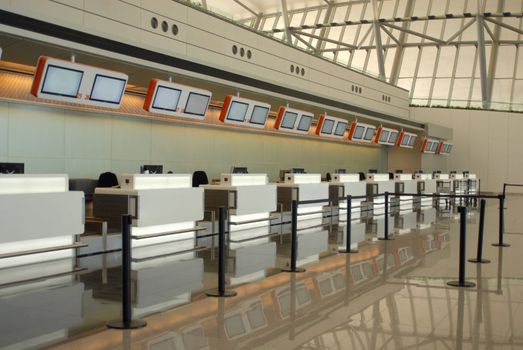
(404, 183)
(379, 184)
(343, 185)
(425, 185)
(40, 219)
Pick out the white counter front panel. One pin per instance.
(40, 215)
(255, 199)
(166, 206)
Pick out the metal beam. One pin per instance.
(494, 53)
(377, 36)
(389, 33)
(398, 55)
(246, 7)
(421, 35)
(285, 15)
(462, 29)
(482, 60)
(349, 46)
(323, 32)
(504, 25)
(297, 36)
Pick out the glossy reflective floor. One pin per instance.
(390, 295)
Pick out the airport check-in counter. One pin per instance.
(303, 187)
(443, 186)
(425, 185)
(379, 184)
(250, 200)
(472, 183)
(343, 185)
(403, 183)
(40, 219)
(459, 183)
(164, 207)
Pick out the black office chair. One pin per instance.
(328, 177)
(107, 179)
(199, 177)
(362, 176)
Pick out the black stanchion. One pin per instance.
(294, 240)
(501, 223)
(386, 224)
(348, 236)
(126, 322)
(221, 291)
(462, 251)
(479, 255)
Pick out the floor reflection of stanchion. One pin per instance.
(479, 309)
(499, 289)
(386, 223)
(347, 278)
(220, 324)
(292, 318)
(461, 319)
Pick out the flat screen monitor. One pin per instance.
(107, 89)
(62, 81)
(384, 136)
(449, 148)
(428, 146)
(305, 123)
(358, 133)
(405, 140)
(11, 168)
(239, 170)
(298, 170)
(289, 120)
(368, 134)
(340, 171)
(259, 115)
(434, 146)
(340, 129)
(166, 98)
(197, 104)
(151, 169)
(412, 140)
(393, 136)
(237, 111)
(327, 127)
(373, 171)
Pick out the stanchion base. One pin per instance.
(479, 261)
(500, 245)
(350, 251)
(119, 324)
(288, 269)
(385, 239)
(216, 293)
(465, 284)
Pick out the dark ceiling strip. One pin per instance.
(50, 29)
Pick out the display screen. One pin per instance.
(358, 133)
(449, 148)
(340, 129)
(369, 133)
(166, 98)
(62, 81)
(428, 146)
(412, 140)
(405, 140)
(327, 127)
(259, 115)
(434, 146)
(197, 104)
(305, 123)
(393, 136)
(384, 136)
(289, 119)
(107, 89)
(237, 111)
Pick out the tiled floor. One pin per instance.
(357, 301)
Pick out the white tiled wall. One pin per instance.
(485, 142)
(82, 144)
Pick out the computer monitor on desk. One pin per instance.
(151, 169)
(11, 168)
(239, 170)
(298, 170)
(340, 171)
